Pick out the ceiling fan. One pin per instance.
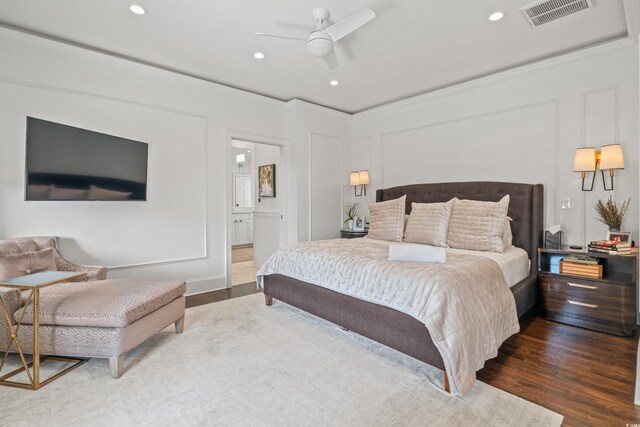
(320, 41)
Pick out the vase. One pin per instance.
(350, 224)
(614, 230)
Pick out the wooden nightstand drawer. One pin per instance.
(602, 310)
(600, 291)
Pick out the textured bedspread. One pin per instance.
(465, 303)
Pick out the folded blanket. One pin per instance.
(417, 253)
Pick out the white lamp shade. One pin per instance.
(240, 158)
(364, 177)
(585, 160)
(611, 157)
(355, 178)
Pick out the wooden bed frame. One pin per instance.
(401, 331)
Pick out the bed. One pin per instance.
(396, 329)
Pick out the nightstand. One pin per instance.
(606, 304)
(350, 234)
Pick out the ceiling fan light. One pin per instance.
(319, 47)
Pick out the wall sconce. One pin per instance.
(589, 160)
(610, 158)
(359, 179)
(586, 161)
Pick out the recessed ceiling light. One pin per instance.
(334, 83)
(138, 10)
(258, 55)
(496, 16)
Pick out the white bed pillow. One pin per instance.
(428, 223)
(478, 226)
(387, 220)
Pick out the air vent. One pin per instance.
(542, 12)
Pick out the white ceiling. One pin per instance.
(412, 47)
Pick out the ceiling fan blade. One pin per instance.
(281, 37)
(349, 24)
(331, 60)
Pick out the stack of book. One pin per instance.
(611, 247)
(580, 265)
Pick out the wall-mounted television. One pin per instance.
(69, 163)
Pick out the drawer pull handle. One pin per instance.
(578, 285)
(582, 304)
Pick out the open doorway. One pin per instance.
(255, 207)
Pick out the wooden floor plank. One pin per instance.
(587, 376)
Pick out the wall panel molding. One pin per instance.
(314, 139)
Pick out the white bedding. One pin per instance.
(465, 303)
(514, 262)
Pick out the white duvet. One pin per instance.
(465, 303)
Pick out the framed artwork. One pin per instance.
(358, 223)
(619, 236)
(267, 181)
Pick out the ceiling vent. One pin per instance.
(542, 12)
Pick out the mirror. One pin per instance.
(242, 198)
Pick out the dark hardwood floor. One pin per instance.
(587, 376)
(221, 295)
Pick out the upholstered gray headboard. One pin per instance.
(525, 207)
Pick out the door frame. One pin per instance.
(283, 184)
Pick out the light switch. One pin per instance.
(566, 202)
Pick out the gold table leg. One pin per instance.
(36, 339)
(14, 339)
(32, 369)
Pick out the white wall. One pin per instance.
(189, 123)
(186, 122)
(522, 125)
(322, 131)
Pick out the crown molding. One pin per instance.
(305, 105)
(122, 66)
(559, 62)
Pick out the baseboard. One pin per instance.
(248, 245)
(206, 284)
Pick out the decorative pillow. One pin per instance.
(507, 235)
(12, 266)
(478, 226)
(428, 223)
(99, 193)
(387, 220)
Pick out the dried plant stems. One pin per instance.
(610, 214)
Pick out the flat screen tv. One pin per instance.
(69, 163)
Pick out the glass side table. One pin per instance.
(33, 282)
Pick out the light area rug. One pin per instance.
(240, 363)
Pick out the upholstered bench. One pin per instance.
(94, 318)
(104, 318)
